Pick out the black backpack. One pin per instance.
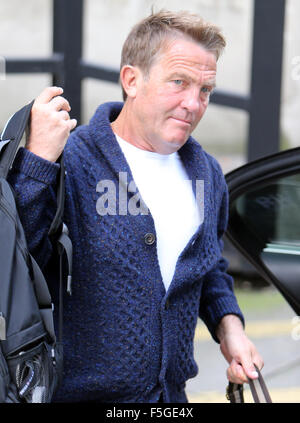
(30, 353)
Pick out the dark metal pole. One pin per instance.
(67, 40)
(53, 64)
(264, 125)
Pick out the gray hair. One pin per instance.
(148, 37)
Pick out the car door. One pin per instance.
(264, 219)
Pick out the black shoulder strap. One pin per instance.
(11, 138)
(58, 218)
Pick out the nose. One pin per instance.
(191, 101)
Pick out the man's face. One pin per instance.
(172, 99)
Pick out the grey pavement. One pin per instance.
(275, 330)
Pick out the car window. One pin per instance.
(272, 213)
(264, 224)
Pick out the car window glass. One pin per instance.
(272, 214)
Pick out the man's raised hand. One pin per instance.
(50, 124)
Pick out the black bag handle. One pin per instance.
(11, 137)
(259, 391)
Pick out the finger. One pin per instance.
(72, 124)
(64, 115)
(258, 361)
(247, 360)
(47, 94)
(236, 374)
(249, 369)
(60, 103)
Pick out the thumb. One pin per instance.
(250, 370)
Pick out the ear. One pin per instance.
(129, 77)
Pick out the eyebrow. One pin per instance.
(211, 84)
(175, 75)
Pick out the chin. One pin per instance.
(173, 146)
(179, 140)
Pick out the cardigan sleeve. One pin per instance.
(218, 298)
(34, 181)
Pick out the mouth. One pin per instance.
(182, 121)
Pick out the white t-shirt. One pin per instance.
(163, 184)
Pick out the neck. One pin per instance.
(125, 128)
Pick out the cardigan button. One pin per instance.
(149, 238)
(167, 304)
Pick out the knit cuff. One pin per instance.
(35, 167)
(220, 308)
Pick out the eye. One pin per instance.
(206, 90)
(178, 82)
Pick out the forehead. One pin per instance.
(181, 55)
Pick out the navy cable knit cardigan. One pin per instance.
(126, 338)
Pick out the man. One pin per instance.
(145, 267)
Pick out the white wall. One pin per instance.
(111, 20)
(223, 131)
(290, 121)
(25, 30)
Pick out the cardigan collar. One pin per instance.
(194, 159)
(191, 153)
